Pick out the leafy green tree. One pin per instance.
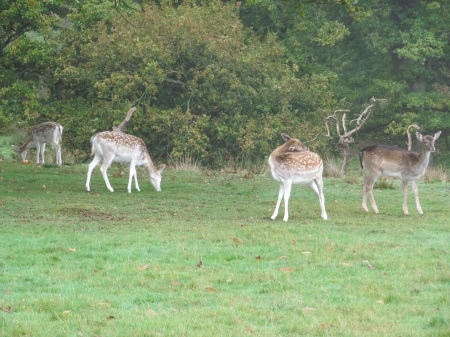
(206, 87)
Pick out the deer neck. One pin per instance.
(280, 151)
(424, 156)
(148, 166)
(28, 144)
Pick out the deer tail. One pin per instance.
(361, 153)
(60, 129)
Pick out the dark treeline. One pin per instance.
(220, 81)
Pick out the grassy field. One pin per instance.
(74, 263)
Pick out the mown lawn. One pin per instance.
(74, 263)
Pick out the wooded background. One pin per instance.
(220, 81)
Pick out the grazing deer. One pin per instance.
(48, 132)
(394, 162)
(110, 146)
(292, 163)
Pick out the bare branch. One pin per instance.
(346, 137)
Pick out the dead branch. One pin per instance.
(346, 137)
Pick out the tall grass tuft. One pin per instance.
(332, 168)
(186, 163)
(437, 173)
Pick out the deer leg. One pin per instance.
(58, 153)
(43, 152)
(317, 186)
(368, 189)
(405, 196)
(280, 197)
(92, 165)
(133, 173)
(103, 169)
(38, 152)
(287, 194)
(416, 195)
(135, 180)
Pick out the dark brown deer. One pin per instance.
(381, 160)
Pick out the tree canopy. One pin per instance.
(220, 81)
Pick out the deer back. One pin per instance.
(122, 147)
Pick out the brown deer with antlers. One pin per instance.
(293, 163)
(381, 160)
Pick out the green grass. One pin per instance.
(74, 263)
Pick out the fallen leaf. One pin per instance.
(199, 264)
(286, 270)
(80, 333)
(329, 248)
(145, 266)
(73, 250)
(7, 309)
(176, 283)
(249, 329)
(258, 257)
(212, 290)
(151, 312)
(309, 309)
(8, 291)
(371, 267)
(283, 257)
(104, 303)
(111, 317)
(43, 186)
(306, 253)
(380, 301)
(324, 326)
(66, 312)
(294, 242)
(236, 240)
(416, 272)
(95, 271)
(345, 264)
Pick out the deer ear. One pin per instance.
(436, 136)
(419, 136)
(285, 137)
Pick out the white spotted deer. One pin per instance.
(292, 163)
(118, 147)
(381, 160)
(48, 132)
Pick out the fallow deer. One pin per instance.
(48, 132)
(110, 146)
(381, 160)
(292, 163)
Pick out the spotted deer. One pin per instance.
(48, 132)
(381, 160)
(292, 163)
(118, 147)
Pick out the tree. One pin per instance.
(206, 87)
(346, 137)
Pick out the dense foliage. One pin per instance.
(220, 81)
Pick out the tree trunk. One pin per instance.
(346, 158)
